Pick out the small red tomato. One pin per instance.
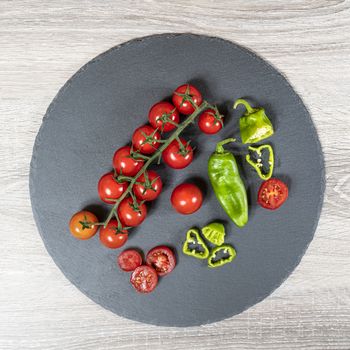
(109, 187)
(209, 123)
(111, 237)
(182, 103)
(124, 164)
(178, 157)
(129, 259)
(131, 215)
(82, 226)
(162, 259)
(186, 198)
(145, 139)
(148, 191)
(272, 194)
(144, 279)
(160, 113)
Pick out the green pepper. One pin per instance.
(226, 249)
(258, 165)
(193, 237)
(227, 184)
(254, 124)
(214, 233)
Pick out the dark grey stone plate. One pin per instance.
(96, 112)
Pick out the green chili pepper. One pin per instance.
(193, 237)
(214, 233)
(254, 124)
(226, 249)
(258, 165)
(227, 184)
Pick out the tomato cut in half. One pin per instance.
(131, 214)
(82, 226)
(124, 164)
(144, 279)
(111, 237)
(109, 187)
(129, 260)
(148, 191)
(145, 139)
(181, 101)
(178, 156)
(186, 198)
(272, 194)
(164, 116)
(162, 259)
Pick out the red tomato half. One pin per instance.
(111, 237)
(182, 104)
(162, 259)
(124, 164)
(160, 112)
(272, 194)
(140, 142)
(144, 279)
(129, 215)
(186, 198)
(109, 187)
(208, 123)
(148, 194)
(129, 259)
(178, 158)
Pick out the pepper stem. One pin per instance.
(240, 101)
(219, 146)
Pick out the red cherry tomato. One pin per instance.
(139, 140)
(183, 105)
(124, 164)
(208, 123)
(186, 198)
(129, 215)
(178, 158)
(144, 279)
(82, 226)
(111, 237)
(109, 187)
(129, 259)
(162, 259)
(144, 193)
(159, 113)
(272, 194)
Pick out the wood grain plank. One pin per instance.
(43, 43)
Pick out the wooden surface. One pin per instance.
(42, 43)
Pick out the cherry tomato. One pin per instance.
(160, 112)
(124, 164)
(183, 105)
(109, 187)
(186, 198)
(129, 215)
(208, 123)
(111, 237)
(140, 141)
(145, 193)
(144, 279)
(81, 225)
(178, 158)
(162, 259)
(129, 259)
(272, 194)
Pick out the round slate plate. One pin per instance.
(96, 112)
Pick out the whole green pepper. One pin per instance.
(254, 124)
(227, 184)
(226, 249)
(258, 165)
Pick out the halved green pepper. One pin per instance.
(226, 249)
(193, 237)
(254, 124)
(214, 233)
(258, 165)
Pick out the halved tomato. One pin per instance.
(272, 194)
(129, 260)
(144, 279)
(162, 259)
